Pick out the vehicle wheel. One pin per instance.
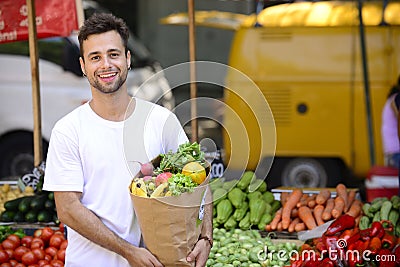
(304, 172)
(16, 155)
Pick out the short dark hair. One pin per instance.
(101, 23)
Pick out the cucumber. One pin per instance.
(25, 204)
(31, 216)
(50, 205)
(37, 203)
(19, 217)
(7, 216)
(13, 204)
(44, 216)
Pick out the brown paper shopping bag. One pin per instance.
(171, 225)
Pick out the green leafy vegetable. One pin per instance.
(174, 161)
(180, 183)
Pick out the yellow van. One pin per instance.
(307, 60)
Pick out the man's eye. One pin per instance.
(114, 55)
(94, 58)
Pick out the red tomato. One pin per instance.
(61, 255)
(13, 262)
(20, 265)
(39, 253)
(6, 264)
(57, 263)
(3, 256)
(37, 242)
(47, 265)
(64, 244)
(26, 241)
(61, 227)
(15, 238)
(37, 233)
(56, 240)
(19, 251)
(10, 253)
(9, 244)
(47, 232)
(47, 257)
(33, 265)
(52, 251)
(43, 262)
(29, 258)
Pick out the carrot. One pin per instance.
(284, 197)
(302, 201)
(279, 227)
(307, 217)
(268, 228)
(341, 191)
(355, 208)
(311, 201)
(290, 204)
(323, 196)
(351, 198)
(300, 227)
(293, 224)
(339, 207)
(318, 210)
(277, 218)
(294, 213)
(327, 214)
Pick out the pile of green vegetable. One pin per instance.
(247, 248)
(382, 209)
(243, 203)
(37, 208)
(6, 230)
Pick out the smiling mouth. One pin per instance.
(107, 75)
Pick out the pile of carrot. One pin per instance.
(301, 211)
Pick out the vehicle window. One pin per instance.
(56, 49)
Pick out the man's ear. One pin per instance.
(82, 63)
(128, 59)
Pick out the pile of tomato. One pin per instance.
(46, 248)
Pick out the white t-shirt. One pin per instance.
(95, 156)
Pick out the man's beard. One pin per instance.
(109, 88)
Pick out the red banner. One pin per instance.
(53, 18)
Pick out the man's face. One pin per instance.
(105, 64)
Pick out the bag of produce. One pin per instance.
(168, 196)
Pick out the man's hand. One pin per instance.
(142, 257)
(200, 253)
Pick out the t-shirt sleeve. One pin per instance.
(173, 133)
(63, 167)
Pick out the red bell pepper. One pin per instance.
(396, 253)
(327, 262)
(375, 245)
(377, 229)
(342, 223)
(386, 258)
(389, 240)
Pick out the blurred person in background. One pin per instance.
(389, 129)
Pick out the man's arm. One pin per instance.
(202, 248)
(71, 212)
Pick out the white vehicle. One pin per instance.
(62, 88)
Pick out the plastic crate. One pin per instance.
(382, 181)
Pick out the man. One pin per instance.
(86, 165)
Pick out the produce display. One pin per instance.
(301, 211)
(345, 244)
(245, 203)
(382, 209)
(38, 207)
(177, 172)
(247, 248)
(46, 247)
(9, 192)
